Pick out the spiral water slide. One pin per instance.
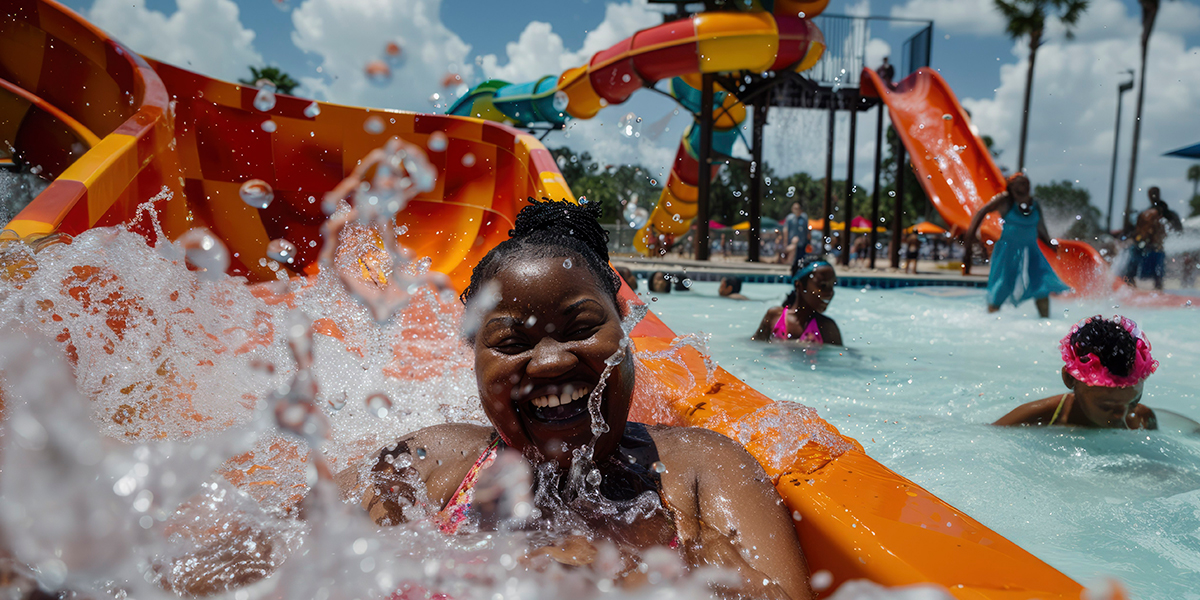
(112, 129)
(679, 51)
(959, 176)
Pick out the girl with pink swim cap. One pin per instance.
(1107, 363)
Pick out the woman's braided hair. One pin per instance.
(1108, 341)
(552, 229)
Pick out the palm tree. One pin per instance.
(1149, 13)
(1193, 175)
(1028, 18)
(284, 84)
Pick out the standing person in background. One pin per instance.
(912, 252)
(1019, 271)
(886, 72)
(795, 225)
(1148, 257)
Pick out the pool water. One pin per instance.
(924, 372)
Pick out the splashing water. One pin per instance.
(256, 193)
(264, 100)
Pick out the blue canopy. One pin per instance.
(1192, 151)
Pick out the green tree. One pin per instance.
(915, 204)
(1195, 204)
(1068, 210)
(284, 84)
(610, 185)
(1193, 175)
(1028, 18)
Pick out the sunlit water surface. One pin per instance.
(926, 370)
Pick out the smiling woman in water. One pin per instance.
(556, 375)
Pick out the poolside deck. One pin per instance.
(930, 273)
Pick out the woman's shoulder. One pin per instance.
(1032, 413)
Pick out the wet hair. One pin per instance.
(735, 283)
(800, 266)
(1108, 341)
(550, 229)
(628, 276)
(1011, 179)
(665, 276)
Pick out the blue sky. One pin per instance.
(324, 43)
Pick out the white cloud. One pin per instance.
(201, 35)
(347, 34)
(539, 51)
(1074, 105)
(955, 16)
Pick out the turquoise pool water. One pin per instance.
(925, 371)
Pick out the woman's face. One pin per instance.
(542, 350)
(1019, 187)
(1107, 406)
(817, 291)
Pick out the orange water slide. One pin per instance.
(142, 125)
(957, 171)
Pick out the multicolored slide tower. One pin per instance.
(756, 40)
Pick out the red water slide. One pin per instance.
(957, 172)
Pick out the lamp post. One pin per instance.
(1112, 179)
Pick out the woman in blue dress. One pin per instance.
(1019, 271)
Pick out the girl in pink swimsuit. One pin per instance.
(801, 318)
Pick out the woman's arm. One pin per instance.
(418, 472)
(768, 323)
(829, 330)
(1037, 412)
(1043, 234)
(730, 515)
(977, 219)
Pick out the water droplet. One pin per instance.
(626, 78)
(687, 283)
(269, 126)
(796, 515)
(593, 477)
(257, 193)
(628, 125)
(204, 250)
(393, 53)
(264, 100)
(378, 404)
(659, 467)
(947, 117)
(583, 200)
(653, 182)
(312, 110)
(821, 580)
(921, 126)
(468, 160)
(892, 194)
(530, 322)
(281, 250)
(378, 73)
(437, 142)
(434, 98)
(338, 402)
(567, 264)
(561, 101)
(373, 125)
(421, 453)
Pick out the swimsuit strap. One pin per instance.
(1061, 402)
(454, 514)
(780, 329)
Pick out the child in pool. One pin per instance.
(549, 336)
(1108, 362)
(801, 316)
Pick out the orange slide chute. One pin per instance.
(858, 519)
(957, 171)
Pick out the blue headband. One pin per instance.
(808, 270)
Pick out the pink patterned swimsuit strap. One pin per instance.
(454, 514)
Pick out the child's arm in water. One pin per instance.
(1037, 412)
(768, 324)
(728, 514)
